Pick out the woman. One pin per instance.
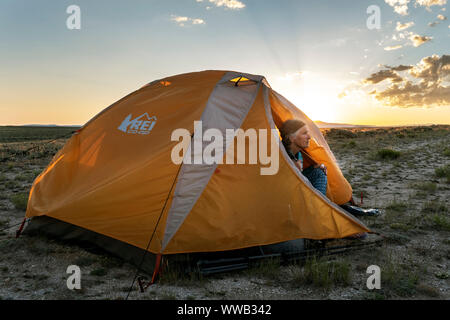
(295, 137)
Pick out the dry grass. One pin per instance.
(404, 171)
(322, 273)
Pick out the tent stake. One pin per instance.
(156, 272)
(18, 232)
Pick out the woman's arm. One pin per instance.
(308, 161)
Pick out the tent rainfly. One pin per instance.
(117, 179)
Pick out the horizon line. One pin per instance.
(315, 121)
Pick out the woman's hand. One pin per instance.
(299, 165)
(322, 167)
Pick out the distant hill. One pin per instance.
(50, 125)
(322, 124)
(35, 133)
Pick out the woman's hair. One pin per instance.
(288, 128)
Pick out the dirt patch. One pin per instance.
(414, 259)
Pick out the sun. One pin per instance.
(317, 105)
(314, 94)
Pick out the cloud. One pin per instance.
(382, 75)
(424, 85)
(432, 68)
(399, 68)
(230, 4)
(429, 3)
(400, 6)
(401, 35)
(417, 40)
(390, 48)
(440, 17)
(182, 21)
(198, 21)
(403, 26)
(414, 95)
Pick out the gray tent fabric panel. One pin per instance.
(226, 108)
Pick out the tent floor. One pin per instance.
(205, 263)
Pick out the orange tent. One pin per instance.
(116, 176)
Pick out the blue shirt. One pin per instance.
(297, 157)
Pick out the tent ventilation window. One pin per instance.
(242, 81)
(165, 83)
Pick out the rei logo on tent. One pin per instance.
(140, 125)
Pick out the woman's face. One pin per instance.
(301, 138)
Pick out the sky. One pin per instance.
(377, 62)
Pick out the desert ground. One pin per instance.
(405, 171)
